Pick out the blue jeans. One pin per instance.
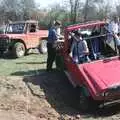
(80, 60)
(83, 59)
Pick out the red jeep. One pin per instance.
(99, 79)
(21, 36)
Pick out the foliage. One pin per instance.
(16, 10)
(71, 11)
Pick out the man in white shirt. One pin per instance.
(117, 40)
(113, 27)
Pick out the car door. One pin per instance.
(32, 36)
(71, 66)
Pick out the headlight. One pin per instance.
(105, 94)
(102, 94)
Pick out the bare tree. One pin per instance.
(118, 9)
(74, 8)
(16, 10)
(27, 8)
(9, 9)
(90, 5)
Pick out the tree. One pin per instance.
(91, 8)
(74, 9)
(27, 8)
(9, 9)
(104, 10)
(118, 9)
(56, 12)
(16, 9)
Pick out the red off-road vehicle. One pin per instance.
(98, 79)
(21, 36)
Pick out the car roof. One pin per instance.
(89, 24)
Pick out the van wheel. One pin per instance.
(87, 104)
(18, 50)
(83, 102)
(43, 47)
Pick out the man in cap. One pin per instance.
(113, 28)
(53, 36)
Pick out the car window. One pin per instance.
(15, 28)
(32, 28)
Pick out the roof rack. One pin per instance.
(84, 24)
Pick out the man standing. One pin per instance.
(113, 28)
(117, 40)
(52, 39)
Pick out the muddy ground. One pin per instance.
(43, 96)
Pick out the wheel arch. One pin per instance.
(13, 41)
(44, 38)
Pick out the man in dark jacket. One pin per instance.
(52, 39)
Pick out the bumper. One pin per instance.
(108, 99)
(109, 103)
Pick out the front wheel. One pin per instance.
(18, 50)
(83, 103)
(87, 104)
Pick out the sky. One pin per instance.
(45, 3)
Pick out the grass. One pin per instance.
(28, 65)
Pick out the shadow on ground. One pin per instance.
(29, 73)
(9, 55)
(61, 95)
(32, 62)
(6, 56)
(58, 91)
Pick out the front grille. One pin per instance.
(3, 44)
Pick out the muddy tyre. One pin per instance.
(83, 103)
(18, 50)
(87, 104)
(43, 47)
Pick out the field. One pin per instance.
(28, 92)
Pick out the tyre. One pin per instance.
(86, 103)
(83, 103)
(43, 47)
(18, 50)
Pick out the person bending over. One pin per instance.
(79, 49)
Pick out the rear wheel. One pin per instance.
(43, 47)
(18, 50)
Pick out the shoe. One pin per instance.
(58, 69)
(49, 70)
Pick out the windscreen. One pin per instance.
(15, 28)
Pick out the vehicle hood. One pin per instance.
(103, 74)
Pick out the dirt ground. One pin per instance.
(42, 95)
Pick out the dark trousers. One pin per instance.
(51, 55)
(118, 49)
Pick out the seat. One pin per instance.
(95, 46)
